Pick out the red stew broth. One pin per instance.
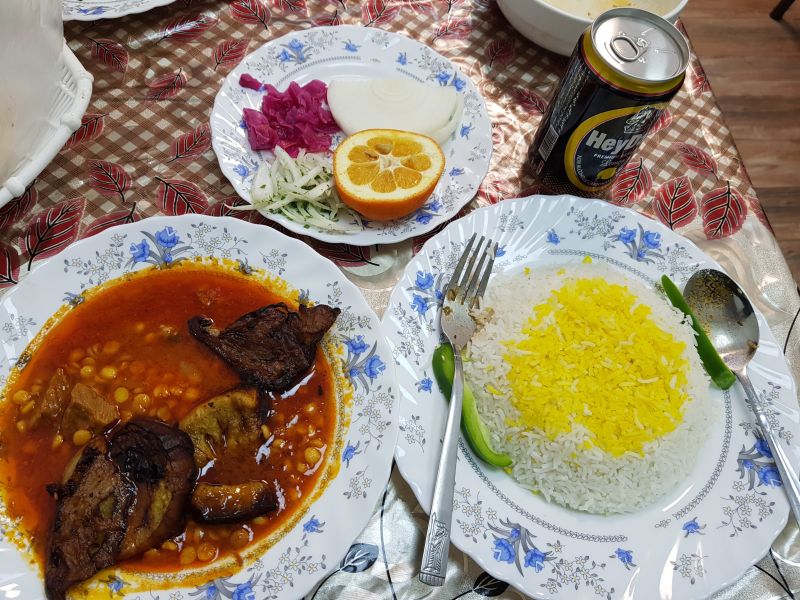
(131, 343)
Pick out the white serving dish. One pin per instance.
(64, 117)
(558, 30)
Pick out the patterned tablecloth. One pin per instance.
(144, 149)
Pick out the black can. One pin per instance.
(624, 71)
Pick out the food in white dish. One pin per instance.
(591, 383)
(594, 8)
(395, 103)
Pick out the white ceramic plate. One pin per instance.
(92, 10)
(351, 51)
(689, 544)
(322, 536)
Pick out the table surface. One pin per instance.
(156, 75)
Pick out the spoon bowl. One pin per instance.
(726, 315)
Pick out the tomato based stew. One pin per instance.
(130, 343)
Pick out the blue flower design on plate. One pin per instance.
(294, 52)
(92, 11)
(115, 585)
(456, 171)
(166, 247)
(645, 248)
(552, 237)
(402, 59)
(466, 130)
(427, 212)
(504, 551)
(458, 83)
(349, 452)
(625, 557)
(242, 124)
(425, 384)
(500, 252)
(419, 304)
(313, 525)
(350, 46)
(535, 558)
(362, 370)
(692, 526)
(424, 280)
(770, 477)
(244, 591)
(241, 170)
(763, 448)
(443, 78)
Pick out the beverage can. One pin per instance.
(625, 69)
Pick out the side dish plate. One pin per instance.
(358, 52)
(690, 543)
(316, 541)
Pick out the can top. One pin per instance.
(640, 45)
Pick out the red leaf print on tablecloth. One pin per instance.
(251, 12)
(758, 211)
(109, 178)
(166, 86)
(494, 190)
(91, 127)
(193, 144)
(18, 207)
(664, 120)
(9, 266)
(344, 254)
(457, 28)
(294, 6)
(675, 204)
(697, 159)
(699, 80)
(187, 27)
(177, 197)
(632, 184)
(530, 101)
(53, 229)
(500, 52)
(112, 54)
(377, 13)
(723, 210)
(230, 52)
(329, 20)
(118, 217)
(422, 7)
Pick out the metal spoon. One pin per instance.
(728, 318)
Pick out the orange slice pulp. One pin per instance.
(386, 173)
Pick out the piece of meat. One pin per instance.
(87, 410)
(159, 460)
(218, 503)
(126, 492)
(91, 519)
(56, 395)
(226, 421)
(272, 347)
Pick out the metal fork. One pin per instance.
(465, 289)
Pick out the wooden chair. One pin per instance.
(778, 12)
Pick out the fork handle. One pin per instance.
(437, 539)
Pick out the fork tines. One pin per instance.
(472, 272)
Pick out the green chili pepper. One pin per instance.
(475, 431)
(716, 368)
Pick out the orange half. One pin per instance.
(386, 174)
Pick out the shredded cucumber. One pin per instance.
(301, 189)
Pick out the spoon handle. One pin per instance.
(789, 478)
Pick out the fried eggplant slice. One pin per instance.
(270, 348)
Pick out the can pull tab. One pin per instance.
(626, 49)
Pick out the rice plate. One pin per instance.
(591, 383)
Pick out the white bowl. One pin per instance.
(558, 30)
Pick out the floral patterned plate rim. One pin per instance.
(689, 544)
(326, 526)
(92, 10)
(348, 50)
